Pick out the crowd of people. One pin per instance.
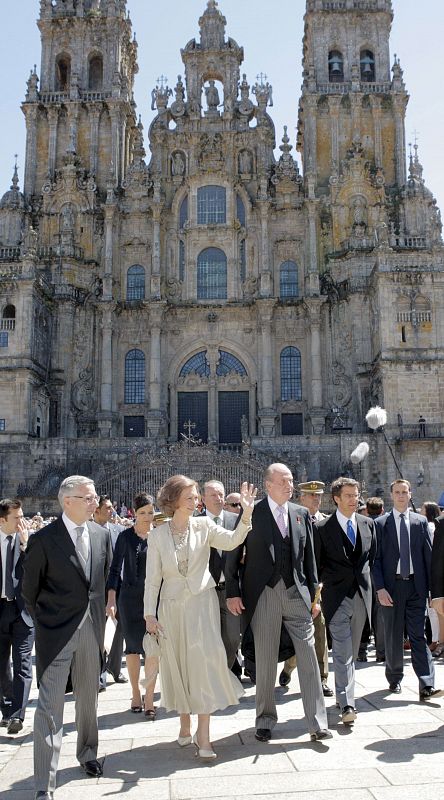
(193, 581)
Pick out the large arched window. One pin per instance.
(62, 73)
(335, 66)
(135, 283)
(288, 280)
(291, 378)
(135, 377)
(367, 63)
(95, 73)
(183, 212)
(197, 363)
(228, 363)
(211, 205)
(212, 274)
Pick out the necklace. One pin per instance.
(180, 538)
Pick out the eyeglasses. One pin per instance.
(88, 499)
(233, 505)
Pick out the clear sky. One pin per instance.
(271, 34)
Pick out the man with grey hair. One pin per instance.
(274, 588)
(65, 572)
(213, 496)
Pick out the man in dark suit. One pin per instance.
(279, 583)
(213, 496)
(345, 546)
(16, 626)
(103, 515)
(401, 574)
(65, 572)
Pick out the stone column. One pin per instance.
(334, 104)
(399, 103)
(94, 115)
(264, 266)
(310, 133)
(355, 101)
(110, 207)
(155, 414)
(376, 111)
(213, 426)
(106, 372)
(115, 142)
(155, 275)
(31, 149)
(267, 410)
(53, 118)
(312, 278)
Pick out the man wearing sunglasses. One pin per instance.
(65, 572)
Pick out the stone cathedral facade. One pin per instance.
(210, 287)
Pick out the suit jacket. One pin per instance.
(336, 570)
(162, 573)
(17, 577)
(217, 562)
(259, 558)
(437, 569)
(56, 590)
(387, 557)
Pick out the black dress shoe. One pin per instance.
(4, 722)
(120, 678)
(44, 796)
(251, 676)
(395, 688)
(284, 678)
(326, 691)
(380, 659)
(93, 768)
(430, 693)
(15, 725)
(263, 734)
(348, 715)
(362, 658)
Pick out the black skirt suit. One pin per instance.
(130, 552)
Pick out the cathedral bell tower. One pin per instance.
(84, 103)
(351, 99)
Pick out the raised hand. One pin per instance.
(248, 494)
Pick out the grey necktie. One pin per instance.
(81, 547)
(404, 548)
(9, 585)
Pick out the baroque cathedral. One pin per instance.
(212, 290)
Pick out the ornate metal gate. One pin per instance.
(149, 470)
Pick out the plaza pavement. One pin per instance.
(394, 751)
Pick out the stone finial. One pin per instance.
(398, 76)
(263, 92)
(160, 94)
(32, 94)
(212, 27)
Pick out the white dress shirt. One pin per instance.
(221, 522)
(274, 510)
(397, 518)
(4, 550)
(342, 519)
(71, 528)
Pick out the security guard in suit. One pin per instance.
(311, 496)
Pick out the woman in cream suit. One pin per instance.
(194, 675)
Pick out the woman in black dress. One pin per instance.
(130, 553)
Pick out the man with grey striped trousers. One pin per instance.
(65, 572)
(279, 582)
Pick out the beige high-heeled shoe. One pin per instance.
(182, 741)
(206, 754)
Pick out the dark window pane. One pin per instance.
(291, 379)
(2, 424)
(288, 279)
(211, 205)
(212, 275)
(135, 283)
(242, 260)
(197, 363)
(134, 426)
(232, 407)
(240, 210)
(183, 212)
(181, 260)
(291, 425)
(3, 338)
(192, 410)
(229, 363)
(135, 377)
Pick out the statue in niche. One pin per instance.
(67, 219)
(359, 216)
(212, 96)
(177, 165)
(245, 162)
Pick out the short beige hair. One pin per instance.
(168, 495)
